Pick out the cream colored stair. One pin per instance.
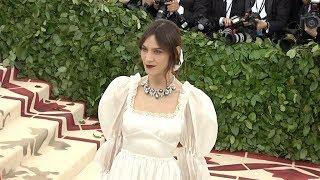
(38, 142)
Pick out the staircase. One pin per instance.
(44, 139)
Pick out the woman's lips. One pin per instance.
(150, 66)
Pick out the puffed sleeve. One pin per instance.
(198, 136)
(204, 120)
(111, 103)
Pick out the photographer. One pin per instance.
(310, 33)
(220, 11)
(274, 15)
(189, 9)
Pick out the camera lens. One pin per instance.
(312, 22)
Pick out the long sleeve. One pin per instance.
(198, 136)
(280, 19)
(111, 103)
(191, 13)
(109, 112)
(204, 120)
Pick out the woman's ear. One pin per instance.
(178, 49)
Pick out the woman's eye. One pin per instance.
(157, 51)
(144, 49)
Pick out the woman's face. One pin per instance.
(155, 59)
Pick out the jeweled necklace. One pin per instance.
(158, 93)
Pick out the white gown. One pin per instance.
(150, 139)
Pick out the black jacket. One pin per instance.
(278, 12)
(217, 9)
(192, 10)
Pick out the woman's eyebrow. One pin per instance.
(157, 48)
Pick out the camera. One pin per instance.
(239, 37)
(163, 13)
(295, 33)
(203, 24)
(243, 29)
(311, 19)
(137, 5)
(181, 20)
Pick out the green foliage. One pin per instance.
(79, 46)
(267, 101)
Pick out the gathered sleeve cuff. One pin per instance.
(198, 137)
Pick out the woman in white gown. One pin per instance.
(155, 113)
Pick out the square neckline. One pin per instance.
(132, 96)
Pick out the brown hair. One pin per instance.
(168, 37)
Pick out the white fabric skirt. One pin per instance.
(131, 166)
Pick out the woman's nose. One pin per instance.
(149, 56)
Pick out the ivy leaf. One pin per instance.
(77, 35)
(277, 140)
(120, 48)
(232, 139)
(102, 81)
(95, 49)
(105, 21)
(144, 14)
(248, 124)
(247, 67)
(252, 116)
(133, 17)
(315, 48)
(64, 15)
(138, 24)
(223, 67)
(119, 30)
(62, 69)
(271, 133)
(292, 53)
(306, 130)
(73, 28)
(254, 99)
(57, 40)
(261, 147)
(313, 86)
(106, 9)
(303, 153)
(297, 144)
(75, 2)
(235, 130)
(213, 87)
(209, 43)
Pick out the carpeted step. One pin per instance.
(9, 110)
(26, 86)
(89, 172)
(61, 159)
(7, 74)
(56, 106)
(22, 138)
